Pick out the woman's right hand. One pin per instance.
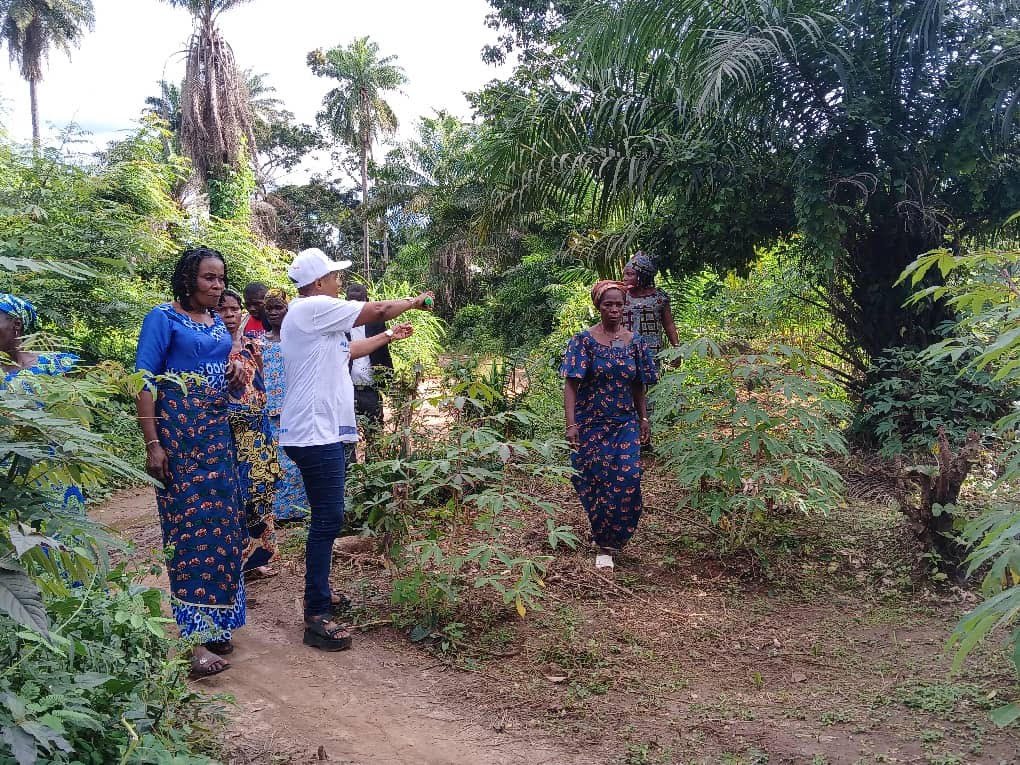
(573, 437)
(156, 463)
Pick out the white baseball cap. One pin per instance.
(311, 264)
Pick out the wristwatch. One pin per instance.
(389, 333)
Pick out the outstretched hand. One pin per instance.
(425, 301)
(402, 331)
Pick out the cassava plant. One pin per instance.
(748, 435)
(448, 513)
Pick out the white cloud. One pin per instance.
(137, 42)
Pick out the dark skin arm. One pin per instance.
(156, 463)
(570, 387)
(384, 310)
(365, 347)
(669, 324)
(640, 403)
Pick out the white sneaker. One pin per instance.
(602, 560)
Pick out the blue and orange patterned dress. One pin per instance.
(200, 508)
(289, 501)
(607, 466)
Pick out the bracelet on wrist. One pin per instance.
(150, 443)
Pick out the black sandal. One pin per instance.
(220, 647)
(317, 635)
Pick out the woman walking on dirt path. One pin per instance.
(289, 500)
(257, 468)
(647, 311)
(190, 451)
(318, 417)
(606, 370)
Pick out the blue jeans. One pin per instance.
(323, 472)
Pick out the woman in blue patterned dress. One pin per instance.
(17, 317)
(289, 502)
(190, 450)
(257, 467)
(606, 370)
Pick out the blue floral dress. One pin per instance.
(289, 501)
(66, 496)
(607, 466)
(200, 508)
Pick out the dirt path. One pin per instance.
(368, 705)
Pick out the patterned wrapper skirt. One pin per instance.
(258, 473)
(289, 502)
(201, 512)
(608, 479)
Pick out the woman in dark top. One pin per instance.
(190, 450)
(606, 369)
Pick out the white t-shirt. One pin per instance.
(318, 403)
(361, 368)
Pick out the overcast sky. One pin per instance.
(138, 42)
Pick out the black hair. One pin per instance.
(253, 289)
(359, 288)
(231, 293)
(185, 278)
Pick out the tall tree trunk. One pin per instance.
(364, 201)
(34, 104)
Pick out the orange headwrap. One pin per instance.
(277, 294)
(602, 287)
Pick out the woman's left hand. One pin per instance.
(235, 377)
(646, 431)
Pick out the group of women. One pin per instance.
(210, 417)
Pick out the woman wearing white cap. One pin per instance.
(318, 415)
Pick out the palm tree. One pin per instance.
(718, 126)
(355, 111)
(216, 120)
(32, 27)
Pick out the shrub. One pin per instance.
(748, 435)
(446, 514)
(912, 396)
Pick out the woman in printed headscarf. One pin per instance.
(647, 311)
(606, 370)
(20, 368)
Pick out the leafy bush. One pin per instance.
(981, 287)
(100, 687)
(913, 396)
(749, 436)
(85, 678)
(445, 514)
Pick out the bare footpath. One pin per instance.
(371, 704)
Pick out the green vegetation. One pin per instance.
(828, 188)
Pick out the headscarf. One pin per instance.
(602, 287)
(644, 267)
(277, 294)
(20, 309)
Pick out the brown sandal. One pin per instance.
(200, 667)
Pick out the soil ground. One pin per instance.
(834, 652)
